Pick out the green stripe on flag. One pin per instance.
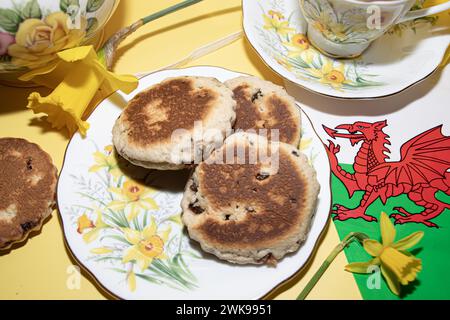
(434, 280)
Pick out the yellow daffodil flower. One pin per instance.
(146, 245)
(309, 55)
(77, 76)
(329, 74)
(398, 266)
(131, 280)
(38, 41)
(327, 25)
(276, 14)
(84, 223)
(296, 45)
(319, 26)
(305, 143)
(101, 250)
(176, 219)
(106, 161)
(338, 32)
(278, 24)
(133, 196)
(284, 62)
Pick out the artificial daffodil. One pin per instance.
(93, 229)
(133, 196)
(76, 76)
(147, 245)
(49, 48)
(398, 266)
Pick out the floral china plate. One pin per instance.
(406, 54)
(122, 223)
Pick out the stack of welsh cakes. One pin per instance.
(252, 194)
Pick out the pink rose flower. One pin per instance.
(5, 41)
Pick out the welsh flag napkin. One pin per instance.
(391, 155)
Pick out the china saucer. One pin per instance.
(405, 55)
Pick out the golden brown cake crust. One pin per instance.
(247, 212)
(273, 203)
(162, 122)
(27, 189)
(153, 115)
(264, 105)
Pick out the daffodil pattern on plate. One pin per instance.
(277, 30)
(290, 47)
(413, 25)
(345, 26)
(106, 160)
(350, 25)
(124, 226)
(132, 196)
(307, 147)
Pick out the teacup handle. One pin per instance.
(425, 12)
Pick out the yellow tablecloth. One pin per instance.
(40, 268)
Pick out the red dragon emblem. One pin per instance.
(422, 171)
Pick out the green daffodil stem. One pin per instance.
(358, 236)
(171, 9)
(107, 53)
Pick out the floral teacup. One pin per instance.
(33, 31)
(345, 28)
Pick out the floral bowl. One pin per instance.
(33, 31)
